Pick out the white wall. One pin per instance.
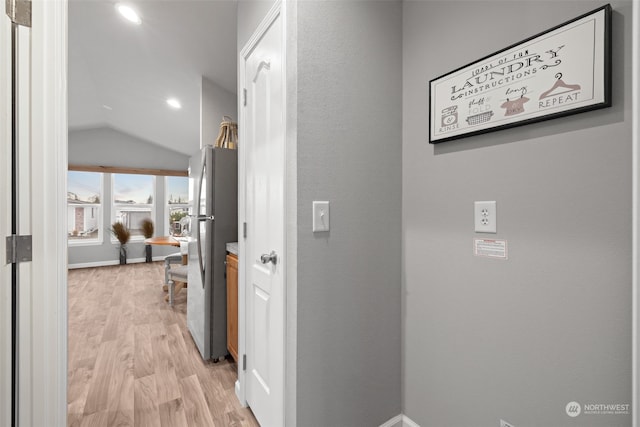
(485, 340)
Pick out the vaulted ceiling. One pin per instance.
(121, 74)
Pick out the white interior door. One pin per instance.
(264, 246)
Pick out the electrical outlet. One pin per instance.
(485, 217)
(503, 423)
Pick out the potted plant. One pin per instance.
(147, 230)
(122, 233)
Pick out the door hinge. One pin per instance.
(19, 11)
(244, 230)
(244, 362)
(244, 97)
(18, 249)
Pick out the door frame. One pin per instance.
(5, 223)
(43, 381)
(279, 9)
(49, 188)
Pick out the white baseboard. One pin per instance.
(400, 421)
(112, 262)
(238, 395)
(393, 422)
(408, 422)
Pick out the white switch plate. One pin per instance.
(485, 217)
(320, 216)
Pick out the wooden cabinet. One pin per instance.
(232, 305)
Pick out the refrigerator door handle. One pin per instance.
(199, 218)
(202, 217)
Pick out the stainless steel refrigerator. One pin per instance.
(213, 180)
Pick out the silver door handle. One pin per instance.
(272, 257)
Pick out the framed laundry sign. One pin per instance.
(562, 71)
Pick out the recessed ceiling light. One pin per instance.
(174, 103)
(128, 13)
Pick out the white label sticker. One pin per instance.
(490, 248)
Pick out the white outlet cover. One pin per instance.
(485, 217)
(320, 216)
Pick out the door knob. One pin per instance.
(272, 257)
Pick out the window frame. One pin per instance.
(100, 216)
(168, 206)
(141, 207)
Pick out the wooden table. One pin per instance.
(162, 240)
(168, 241)
(165, 241)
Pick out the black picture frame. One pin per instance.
(585, 39)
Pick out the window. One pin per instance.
(133, 201)
(177, 211)
(84, 207)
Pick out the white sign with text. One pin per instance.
(562, 71)
(490, 248)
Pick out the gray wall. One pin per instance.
(517, 339)
(291, 190)
(107, 147)
(250, 14)
(215, 102)
(349, 57)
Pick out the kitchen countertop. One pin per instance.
(232, 248)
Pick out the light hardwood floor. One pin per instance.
(132, 361)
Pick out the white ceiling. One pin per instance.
(133, 69)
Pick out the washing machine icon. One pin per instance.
(449, 116)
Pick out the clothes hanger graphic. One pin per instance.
(559, 84)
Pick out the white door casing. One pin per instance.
(42, 159)
(262, 279)
(5, 221)
(23, 164)
(25, 213)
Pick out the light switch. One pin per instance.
(320, 216)
(485, 217)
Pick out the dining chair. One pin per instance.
(168, 260)
(176, 274)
